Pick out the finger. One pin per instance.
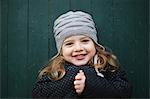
(78, 76)
(77, 82)
(80, 71)
(77, 87)
(78, 91)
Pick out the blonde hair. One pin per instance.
(106, 61)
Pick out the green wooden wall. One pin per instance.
(27, 40)
(24, 44)
(0, 49)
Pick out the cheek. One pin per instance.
(65, 52)
(92, 50)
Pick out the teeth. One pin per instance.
(80, 56)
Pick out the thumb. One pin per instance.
(80, 71)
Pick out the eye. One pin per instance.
(68, 44)
(85, 40)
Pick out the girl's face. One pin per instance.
(78, 50)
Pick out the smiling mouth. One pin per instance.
(80, 57)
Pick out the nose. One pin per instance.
(78, 48)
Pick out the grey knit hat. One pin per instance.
(73, 23)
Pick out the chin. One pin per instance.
(80, 64)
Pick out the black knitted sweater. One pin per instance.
(110, 85)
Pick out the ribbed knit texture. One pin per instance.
(73, 23)
(112, 85)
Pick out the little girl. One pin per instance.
(82, 68)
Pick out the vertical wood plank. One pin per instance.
(131, 31)
(4, 49)
(84, 5)
(56, 8)
(0, 49)
(17, 47)
(37, 39)
(102, 14)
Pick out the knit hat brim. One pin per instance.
(71, 24)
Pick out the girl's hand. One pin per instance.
(79, 82)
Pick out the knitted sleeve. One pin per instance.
(42, 88)
(112, 85)
(63, 88)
